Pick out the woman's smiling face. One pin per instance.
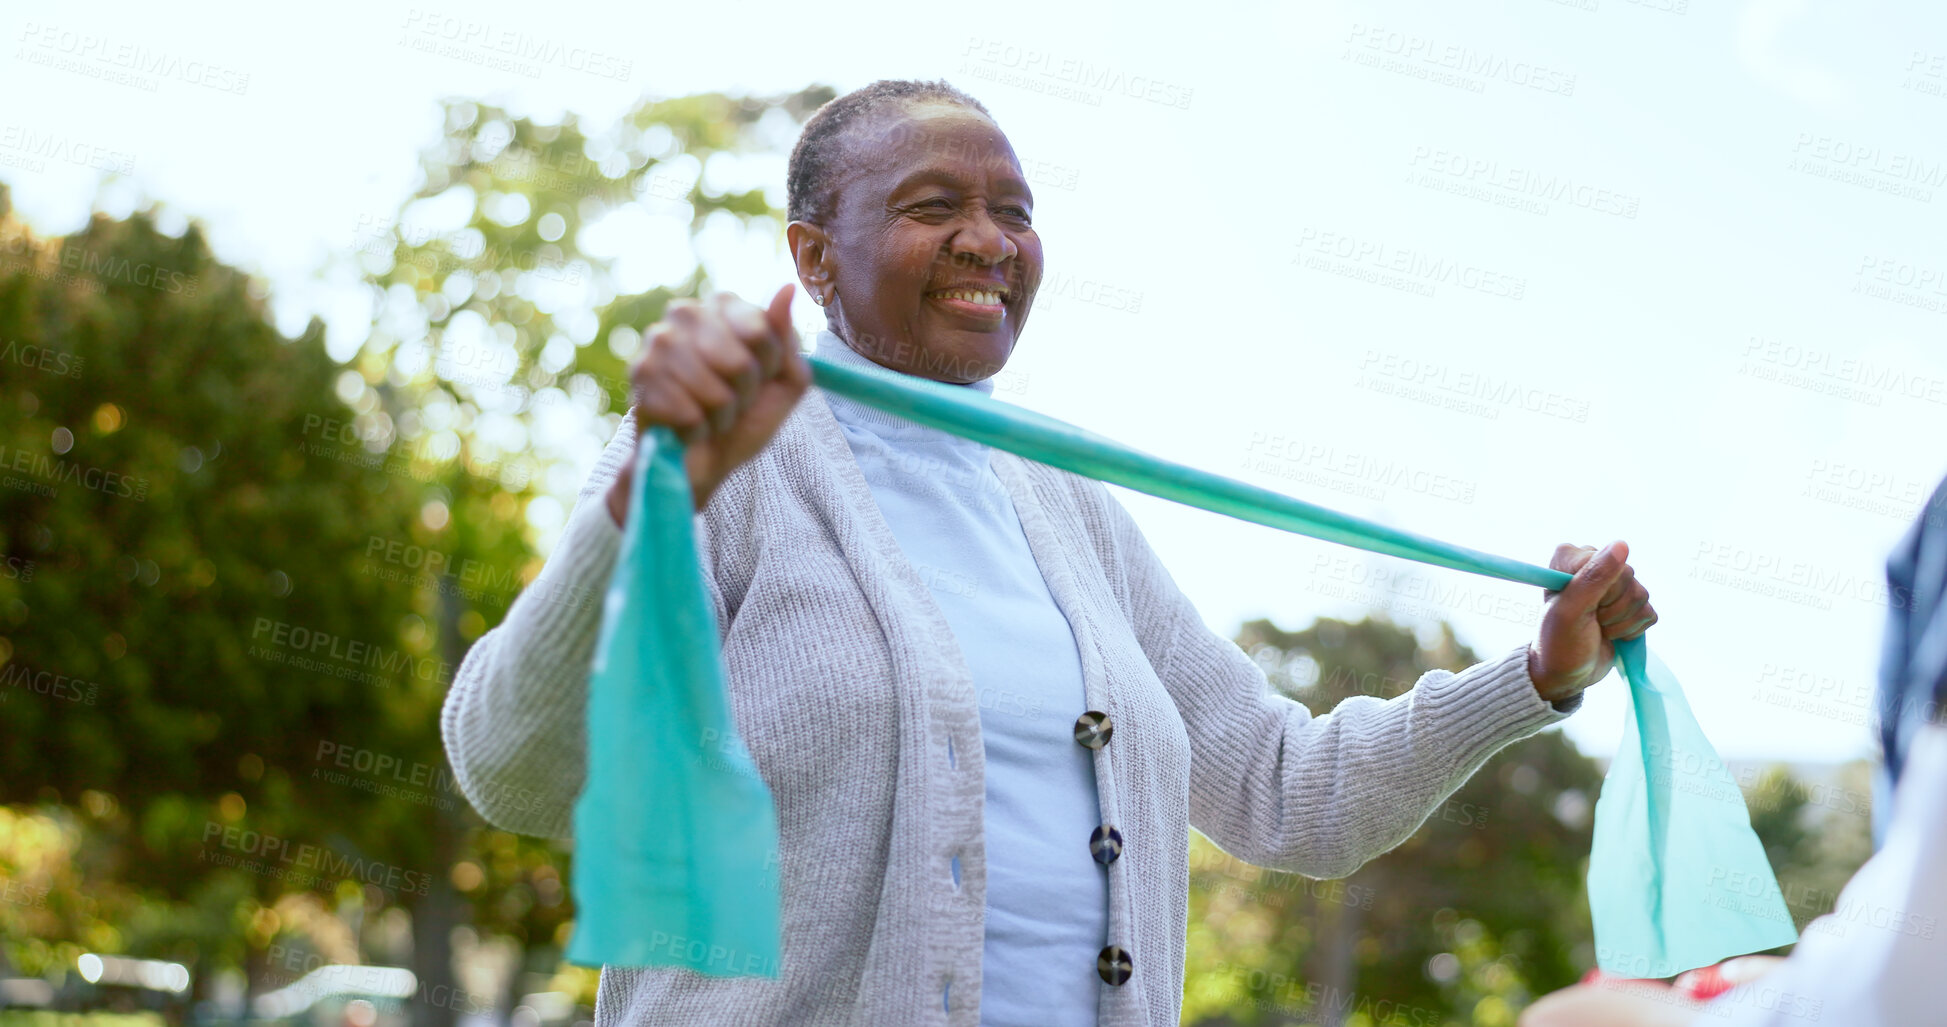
(930, 254)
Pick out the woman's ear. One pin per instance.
(811, 251)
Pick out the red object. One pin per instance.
(1702, 984)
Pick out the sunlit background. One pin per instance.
(1507, 275)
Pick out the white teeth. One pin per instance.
(989, 299)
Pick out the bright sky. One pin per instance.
(1506, 274)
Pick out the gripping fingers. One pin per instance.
(1620, 597)
(707, 363)
(1630, 613)
(660, 402)
(717, 395)
(1568, 559)
(1644, 619)
(751, 336)
(1624, 606)
(748, 323)
(679, 368)
(726, 351)
(703, 369)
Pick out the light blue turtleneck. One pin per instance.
(1047, 910)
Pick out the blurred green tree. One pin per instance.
(182, 624)
(1479, 910)
(1484, 909)
(508, 296)
(1814, 846)
(271, 507)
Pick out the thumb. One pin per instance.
(795, 370)
(779, 315)
(1584, 592)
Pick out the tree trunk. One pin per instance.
(433, 918)
(440, 910)
(1339, 923)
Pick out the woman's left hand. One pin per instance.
(1603, 603)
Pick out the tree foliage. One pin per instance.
(184, 623)
(240, 574)
(1484, 904)
(498, 351)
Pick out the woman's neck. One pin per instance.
(893, 429)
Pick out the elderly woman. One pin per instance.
(987, 714)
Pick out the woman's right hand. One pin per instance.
(723, 374)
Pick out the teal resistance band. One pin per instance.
(676, 849)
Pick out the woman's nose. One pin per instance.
(982, 240)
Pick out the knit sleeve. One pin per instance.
(515, 719)
(1317, 795)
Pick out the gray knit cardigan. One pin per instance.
(861, 715)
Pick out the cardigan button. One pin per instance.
(1114, 965)
(1092, 729)
(1105, 844)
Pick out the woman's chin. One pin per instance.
(961, 356)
